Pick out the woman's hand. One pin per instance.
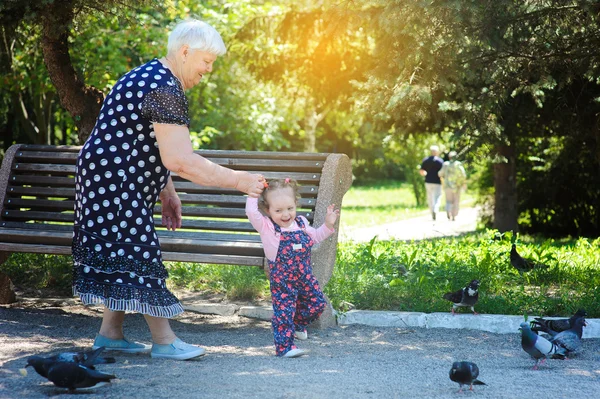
(253, 185)
(171, 207)
(332, 215)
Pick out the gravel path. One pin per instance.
(344, 362)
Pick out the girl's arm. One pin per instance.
(257, 219)
(318, 234)
(326, 229)
(263, 225)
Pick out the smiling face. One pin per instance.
(197, 64)
(282, 206)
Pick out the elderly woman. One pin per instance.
(141, 135)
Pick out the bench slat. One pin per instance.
(39, 216)
(301, 177)
(265, 163)
(62, 192)
(53, 181)
(167, 256)
(209, 225)
(206, 153)
(208, 243)
(67, 206)
(198, 199)
(181, 186)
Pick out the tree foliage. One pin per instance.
(503, 75)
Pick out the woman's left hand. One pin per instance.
(171, 207)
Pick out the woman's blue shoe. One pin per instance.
(121, 345)
(178, 350)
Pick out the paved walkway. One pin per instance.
(417, 228)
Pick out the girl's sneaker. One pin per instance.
(295, 353)
(301, 335)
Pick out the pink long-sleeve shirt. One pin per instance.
(266, 229)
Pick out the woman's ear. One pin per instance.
(184, 51)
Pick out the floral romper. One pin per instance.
(295, 292)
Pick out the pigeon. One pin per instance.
(570, 340)
(556, 325)
(521, 264)
(87, 359)
(465, 373)
(539, 347)
(467, 296)
(74, 376)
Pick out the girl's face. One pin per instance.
(282, 206)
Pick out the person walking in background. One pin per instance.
(124, 167)
(454, 180)
(430, 166)
(287, 241)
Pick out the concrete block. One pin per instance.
(327, 318)
(592, 330)
(256, 312)
(499, 324)
(212, 308)
(382, 318)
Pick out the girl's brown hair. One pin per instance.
(274, 185)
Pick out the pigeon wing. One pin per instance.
(454, 297)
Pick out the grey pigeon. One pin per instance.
(539, 347)
(465, 373)
(74, 376)
(467, 296)
(570, 340)
(87, 359)
(556, 325)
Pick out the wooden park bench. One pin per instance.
(37, 192)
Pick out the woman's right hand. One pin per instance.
(251, 184)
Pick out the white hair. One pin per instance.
(198, 35)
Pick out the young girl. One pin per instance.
(287, 241)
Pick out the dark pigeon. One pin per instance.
(465, 373)
(467, 296)
(539, 347)
(87, 359)
(570, 340)
(521, 264)
(74, 376)
(556, 325)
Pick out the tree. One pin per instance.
(313, 54)
(56, 18)
(484, 68)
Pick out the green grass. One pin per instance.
(391, 275)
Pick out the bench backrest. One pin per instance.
(37, 191)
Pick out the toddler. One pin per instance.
(287, 241)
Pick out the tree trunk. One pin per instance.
(311, 121)
(505, 184)
(81, 101)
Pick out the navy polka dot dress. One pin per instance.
(116, 253)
